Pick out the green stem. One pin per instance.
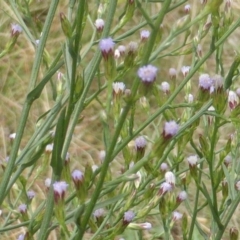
(28, 103)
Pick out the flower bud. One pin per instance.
(176, 216)
(106, 46)
(232, 100)
(170, 178)
(144, 35)
(140, 226)
(140, 145)
(99, 24)
(233, 233)
(172, 73)
(66, 26)
(165, 87)
(170, 129)
(185, 70)
(59, 189)
(164, 188)
(128, 217)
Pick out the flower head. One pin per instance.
(170, 129)
(177, 216)
(59, 189)
(132, 48)
(15, 29)
(140, 143)
(172, 73)
(192, 160)
(21, 236)
(237, 185)
(99, 24)
(185, 70)
(118, 88)
(106, 46)
(170, 178)
(144, 35)
(228, 160)
(205, 82)
(31, 194)
(164, 167)
(147, 73)
(128, 217)
(181, 196)
(48, 182)
(165, 187)
(22, 208)
(99, 213)
(77, 177)
(165, 86)
(190, 98)
(187, 8)
(232, 99)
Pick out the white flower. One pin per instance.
(205, 82)
(147, 73)
(185, 70)
(217, 81)
(59, 189)
(164, 167)
(99, 213)
(165, 187)
(67, 158)
(12, 136)
(49, 148)
(102, 155)
(118, 87)
(192, 160)
(172, 73)
(237, 185)
(182, 196)
(190, 98)
(170, 129)
(144, 35)
(177, 216)
(99, 24)
(170, 178)
(122, 50)
(48, 182)
(77, 177)
(232, 99)
(21, 237)
(187, 8)
(165, 86)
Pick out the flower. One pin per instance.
(122, 50)
(164, 167)
(106, 46)
(31, 194)
(177, 216)
(67, 158)
(172, 73)
(190, 98)
(140, 143)
(12, 136)
(48, 182)
(132, 48)
(140, 226)
(147, 73)
(128, 217)
(21, 236)
(144, 35)
(22, 208)
(165, 86)
(181, 196)
(205, 82)
(170, 129)
(232, 99)
(170, 178)
(15, 29)
(237, 185)
(192, 160)
(187, 8)
(185, 70)
(227, 160)
(118, 88)
(77, 177)
(165, 187)
(99, 24)
(49, 148)
(99, 213)
(59, 189)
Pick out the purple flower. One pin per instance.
(165, 187)
(59, 189)
(106, 46)
(15, 29)
(128, 217)
(144, 35)
(77, 177)
(22, 208)
(31, 194)
(170, 129)
(99, 24)
(205, 82)
(147, 73)
(140, 143)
